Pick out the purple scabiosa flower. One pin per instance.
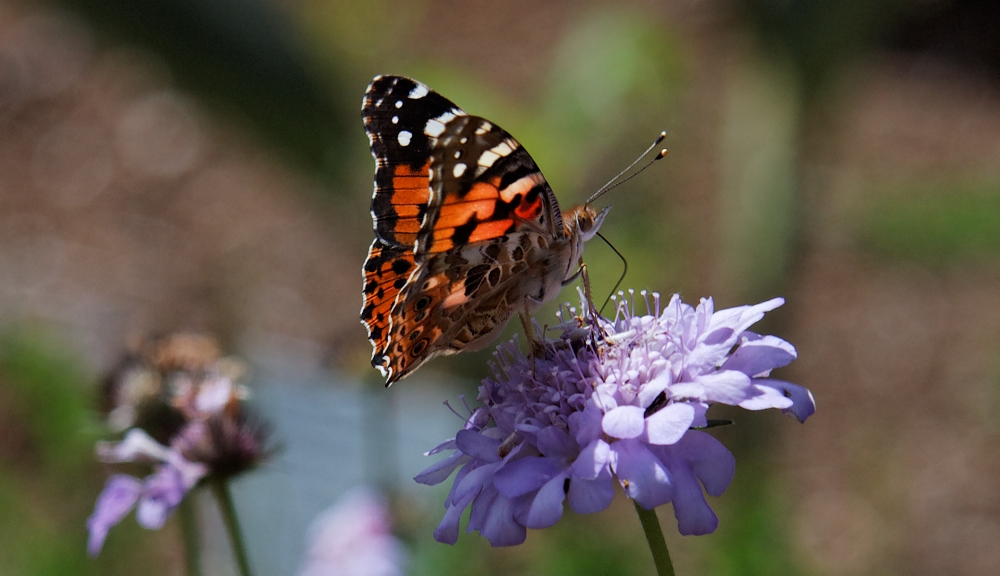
(611, 399)
(185, 420)
(354, 538)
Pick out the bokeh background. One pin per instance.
(200, 165)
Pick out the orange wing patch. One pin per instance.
(401, 207)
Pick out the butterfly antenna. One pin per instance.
(614, 182)
(620, 279)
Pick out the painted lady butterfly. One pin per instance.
(467, 230)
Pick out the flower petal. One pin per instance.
(525, 475)
(136, 445)
(667, 425)
(593, 459)
(547, 507)
(760, 355)
(803, 402)
(447, 530)
(162, 492)
(440, 471)
(587, 496)
(553, 441)
(642, 475)
(116, 500)
(711, 462)
(495, 519)
(586, 426)
(478, 446)
(694, 515)
(726, 386)
(623, 422)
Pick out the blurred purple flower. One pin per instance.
(157, 495)
(354, 538)
(611, 399)
(185, 419)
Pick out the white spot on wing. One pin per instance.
(459, 170)
(484, 128)
(487, 158)
(395, 119)
(404, 138)
(419, 91)
(399, 103)
(435, 126)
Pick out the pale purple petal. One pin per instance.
(474, 481)
(760, 355)
(588, 496)
(547, 507)
(447, 530)
(803, 402)
(711, 462)
(586, 425)
(726, 386)
(162, 492)
(641, 474)
(439, 471)
(495, 520)
(765, 397)
(526, 475)
(553, 441)
(694, 515)
(623, 422)
(448, 444)
(116, 500)
(649, 391)
(593, 459)
(668, 424)
(137, 445)
(477, 445)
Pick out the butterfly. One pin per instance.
(467, 230)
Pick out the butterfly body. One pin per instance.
(468, 232)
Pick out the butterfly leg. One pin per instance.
(585, 278)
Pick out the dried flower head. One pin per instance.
(184, 417)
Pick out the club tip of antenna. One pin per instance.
(662, 154)
(663, 134)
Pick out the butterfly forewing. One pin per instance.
(395, 111)
(484, 185)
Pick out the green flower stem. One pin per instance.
(654, 536)
(192, 537)
(220, 488)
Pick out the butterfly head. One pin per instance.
(584, 221)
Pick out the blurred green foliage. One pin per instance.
(943, 223)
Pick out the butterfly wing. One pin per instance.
(467, 229)
(491, 235)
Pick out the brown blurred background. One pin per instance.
(201, 166)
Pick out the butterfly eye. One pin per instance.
(584, 222)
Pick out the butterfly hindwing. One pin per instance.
(386, 271)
